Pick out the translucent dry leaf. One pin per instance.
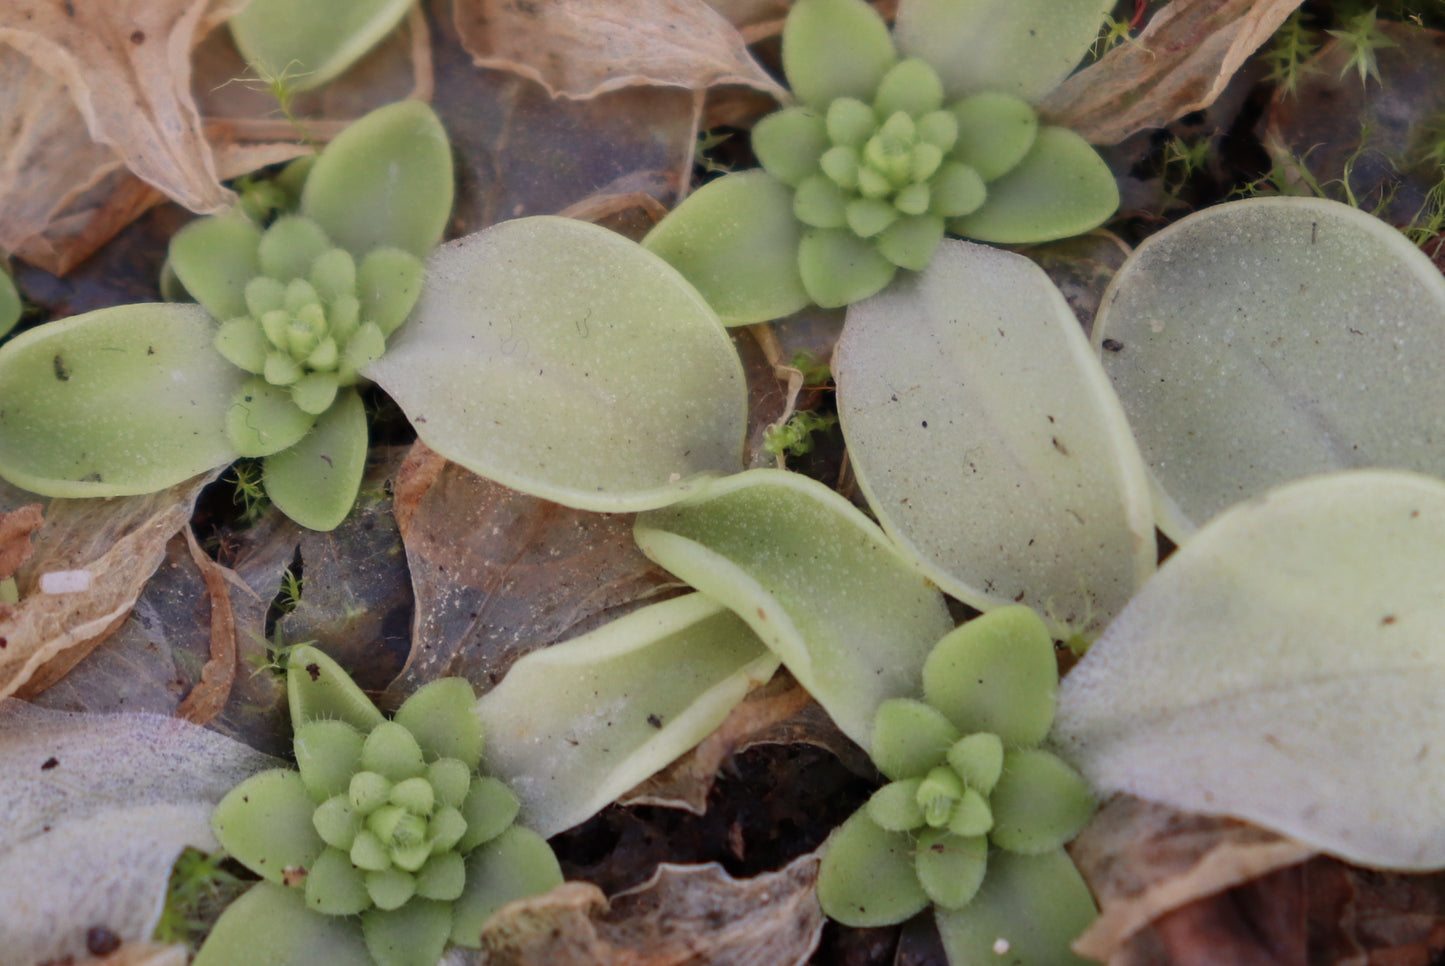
(127, 66)
(97, 809)
(683, 914)
(1180, 63)
(582, 48)
(116, 545)
(1285, 667)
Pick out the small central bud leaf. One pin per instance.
(938, 793)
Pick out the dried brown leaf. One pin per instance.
(15, 530)
(127, 64)
(684, 915)
(118, 544)
(582, 48)
(498, 573)
(145, 954)
(1181, 62)
(1143, 860)
(209, 696)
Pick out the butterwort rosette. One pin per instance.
(386, 837)
(975, 814)
(888, 149)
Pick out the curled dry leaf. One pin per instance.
(1143, 860)
(498, 573)
(15, 530)
(97, 809)
(1182, 62)
(146, 954)
(683, 914)
(582, 48)
(127, 67)
(118, 544)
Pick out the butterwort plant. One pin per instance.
(386, 843)
(890, 146)
(972, 801)
(520, 351)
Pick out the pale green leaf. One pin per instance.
(384, 181)
(1028, 911)
(119, 401)
(1020, 47)
(950, 867)
(1039, 803)
(1285, 667)
(867, 876)
(263, 419)
(442, 715)
(214, 258)
(736, 240)
(988, 441)
(314, 482)
(1060, 188)
(835, 48)
(816, 580)
(413, 935)
(563, 360)
(1264, 340)
(265, 824)
(310, 43)
(10, 305)
(327, 754)
(789, 143)
(838, 267)
(995, 132)
(573, 726)
(318, 689)
(271, 926)
(516, 864)
(910, 737)
(996, 674)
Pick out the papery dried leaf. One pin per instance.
(498, 573)
(209, 696)
(683, 915)
(1181, 62)
(127, 65)
(1143, 860)
(97, 809)
(582, 48)
(117, 545)
(146, 954)
(15, 530)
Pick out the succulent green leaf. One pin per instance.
(10, 305)
(1039, 803)
(978, 759)
(910, 737)
(318, 689)
(333, 274)
(446, 827)
(850, 122)
(490, 808)
(866, 217)
(1011, 473)
(972, 816)
(270, 925)
(940, 129)
(816, 581)
(551, 315)
(995, 132)
(895, 806)
(996, 673)
(265, 824)
(115, 402)
(214, 258)
(911, 86)
(867, 876)
(315, 481)
(1298, 336)
(391, 751)
(1030, 906)
(516, 864)
(956, 190)
(1022, 47)
(368, 791)
(670, 673)
(788, 143)
(336, 821)
(442, 714)
(327, 754)
(835, 48)
(951, 867)
(286, 252)
(384, 181)
(388, 284)
(1285, 667)
(736, 240)
(335, 887)
(820, 203)
(443, 877)
(262, 419)
(281, 370)
(369, 853)
(413, 935)
(243, 342)
(1060, 188)
(390, 888)
(449, 777)
(311, 44)
(911, 241)
(838, 267)
(315, 392)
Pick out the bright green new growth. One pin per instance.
(388, 820)
(966, 774)
(865, 176)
